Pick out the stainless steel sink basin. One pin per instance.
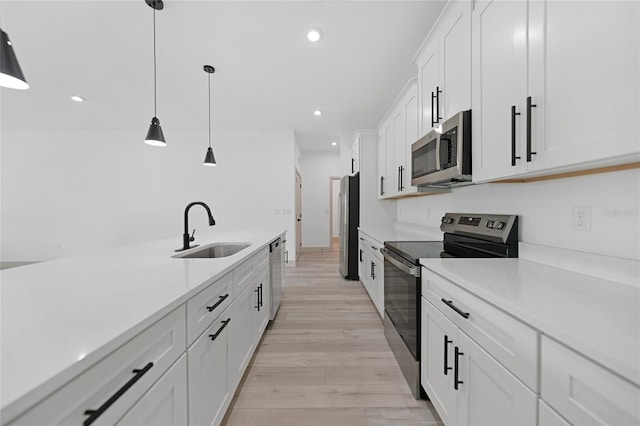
(213, 251)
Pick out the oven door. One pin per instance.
(402, 299)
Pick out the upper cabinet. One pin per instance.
(355, 155)
(396, 133)
(444, 67)
(555, 86)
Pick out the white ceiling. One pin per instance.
(268, 75)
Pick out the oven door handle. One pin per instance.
(406, 267)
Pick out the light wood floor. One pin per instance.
(325, 361)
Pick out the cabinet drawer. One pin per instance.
(245, 273)
(372, 246)
(150, 353)
(582, 391)
(508, 340)
(206, 306)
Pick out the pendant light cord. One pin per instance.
(155, 107)
(209, 110)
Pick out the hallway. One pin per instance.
(325, 361)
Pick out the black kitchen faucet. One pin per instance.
(186, 238)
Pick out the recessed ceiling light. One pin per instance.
(313, 35)
(77, 98)
(333, 144)
(317, 113)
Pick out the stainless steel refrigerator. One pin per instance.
(349, 199)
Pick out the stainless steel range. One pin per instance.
(465, 236)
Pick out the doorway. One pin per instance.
(334, 208)
(298, 215)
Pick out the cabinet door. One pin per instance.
(361, 264)
(584, 69)
(261, 312)
(380, 279)
(499, 82)
(377, 275)
(428, 82)
(454, 29)
(208, 374)
(391, 183)
(548, 417)
(438, 340)
(241, 341)
(374, 271)
(489, 394)
(165, 403)
(411, 135)
(399, 150)
(382, 165)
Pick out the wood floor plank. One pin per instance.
(324, 360)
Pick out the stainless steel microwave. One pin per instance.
(443, 158)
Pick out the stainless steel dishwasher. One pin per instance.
(277, 274)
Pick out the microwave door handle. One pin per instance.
(438, 165)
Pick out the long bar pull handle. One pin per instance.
(217, 333)
(381, 185)
(529, 106)
(446, 354)
(220, 300)
(456, 382)
(401, 179)
(433, 98)
(513, 135)
(438, 91)
(260, 295)
(353, 168)
(94, 414)
(450, 304)
(360, 254)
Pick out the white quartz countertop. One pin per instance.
(382, 233)
(596, 317)
(60, 317)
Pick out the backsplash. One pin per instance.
(546, 210)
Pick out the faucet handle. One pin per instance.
(192, 238)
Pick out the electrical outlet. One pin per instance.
(582, 218)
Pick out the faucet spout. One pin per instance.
(186, 239)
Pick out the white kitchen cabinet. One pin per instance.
(241, 341)
(579, 76)
(371, 269)
(262, 289)
(444, 66)
(165, 404)
(465, 383)
(584, 392)
(112, 386)
(397, 131)
(209, 390)
(547, 416)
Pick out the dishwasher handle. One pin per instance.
(403, 265)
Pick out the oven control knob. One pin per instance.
(490, 223)
(499, 225)
(447, 219)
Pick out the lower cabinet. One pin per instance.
(465, 383)
(584, 392)
(261, 315)
(241, 343)
(209, 391)
(165, 404)
(371, 270)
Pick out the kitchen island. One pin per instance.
(61, 318)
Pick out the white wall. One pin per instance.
(69, 193)
(545, 209)
(317, 167)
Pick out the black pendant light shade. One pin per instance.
(10, 73)
(155, 136)
(209, 158)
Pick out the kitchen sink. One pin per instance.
(213, 251)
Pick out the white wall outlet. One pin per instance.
(582, 218)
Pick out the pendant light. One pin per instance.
(10, 73)
(209, 158)
(155, 136)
